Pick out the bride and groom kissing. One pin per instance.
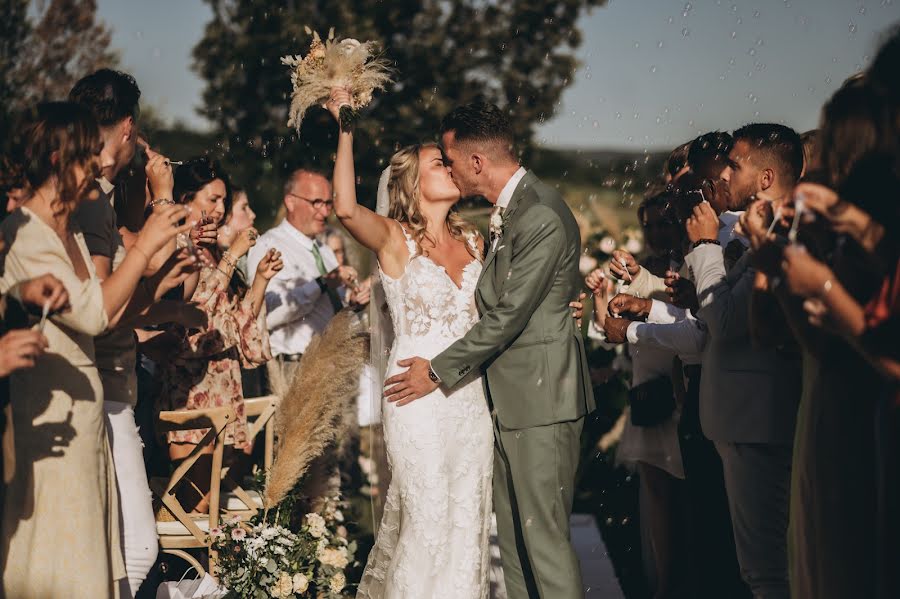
(487, 384)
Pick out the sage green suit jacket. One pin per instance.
(526, 341)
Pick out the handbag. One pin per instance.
(204, 587)
(652, 402)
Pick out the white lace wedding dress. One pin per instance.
(433, 540)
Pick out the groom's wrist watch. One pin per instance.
(433, 375)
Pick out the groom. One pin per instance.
(529, 349)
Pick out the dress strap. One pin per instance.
(410, 242)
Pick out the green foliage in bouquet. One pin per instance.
(263, 558)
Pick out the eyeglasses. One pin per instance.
(317, 203)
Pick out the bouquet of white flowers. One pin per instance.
(332, 63)
(262, 560)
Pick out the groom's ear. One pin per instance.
(477, 163)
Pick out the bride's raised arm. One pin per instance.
(370, 229)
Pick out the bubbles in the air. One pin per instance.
(852, 28)
(653, 68)
(685, 32)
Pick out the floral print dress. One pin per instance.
(205, 371)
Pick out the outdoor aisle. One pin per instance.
(596, 569)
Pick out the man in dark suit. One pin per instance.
(748, 395)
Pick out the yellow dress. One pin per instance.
(60, 530)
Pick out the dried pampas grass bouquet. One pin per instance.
(310, 416)
(332, 63)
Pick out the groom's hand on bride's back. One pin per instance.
(412, 384)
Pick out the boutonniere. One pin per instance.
(496, 224)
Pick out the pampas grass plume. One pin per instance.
(311, 415)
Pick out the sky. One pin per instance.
(652, 74)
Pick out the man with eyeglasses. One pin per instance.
(304, 296)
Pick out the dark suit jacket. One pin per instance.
(747, 394)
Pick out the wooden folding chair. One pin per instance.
(184, 532)
(260, 413)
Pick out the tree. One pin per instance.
(14, 28)
(42, 58)
(518, 54)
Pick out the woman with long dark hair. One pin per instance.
(204, 370)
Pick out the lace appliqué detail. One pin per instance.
(433, 540)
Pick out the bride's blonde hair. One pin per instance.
(403, 191)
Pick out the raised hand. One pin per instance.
(42, 290)
(703, 223)
(161, 227)
(340, 96)
(600, 287)
(805, 276)
(342, 276)
(362, 295)
(245, 240)
(624, 266)
(578, 308)
(682, 291)
(270, 264)
(635, 307)
(160, 177)
(180, 265)
(205, 233)
(19, 349)
(616, 329)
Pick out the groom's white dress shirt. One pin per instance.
(506, 193)
(296, 308)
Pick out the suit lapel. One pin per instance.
(514, 203)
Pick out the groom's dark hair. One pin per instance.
(483, 123)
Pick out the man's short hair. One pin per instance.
(678, 159)
(708, 154)
(781, 144)
(289, 182)
(110, 95)
(483, 123)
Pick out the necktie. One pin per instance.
(332, 294)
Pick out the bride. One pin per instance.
(433, 540)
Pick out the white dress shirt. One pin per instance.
(507, 192)
(296, 308)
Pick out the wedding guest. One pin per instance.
(677, 163)
(649, 440)
(63, 464)
(671, 326)
(708, 154)
(239, 218)
(304, 296)
(811, 153)
(202, 368)
(112, 97)
(748, 396)
(356, 297)
(829, 556)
